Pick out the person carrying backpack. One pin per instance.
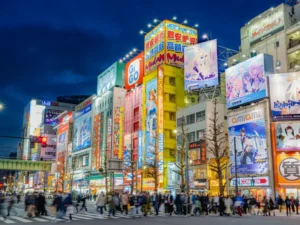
(288, 206)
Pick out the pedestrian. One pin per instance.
(178, 203)
(100, 202)
(252, 203)
(245, 206)
(95, 196)
(18, 198)
(83, 206)
(192, 200)
(297, 205)
(238, 204)
(155, 201)
(117, 202)
(10, 203)
(143, 203)
(215, 204)
(197, 206)
(136, 200)
(271, 207)
(170, 204)
(111, 204)
(166, 203)
(265, 205)
(288, 206)
(42, 203)
(78, 202)
(293, 204)
(228, 204)
(68, 204)
(30, 205)
(280, 203)
(221, 205)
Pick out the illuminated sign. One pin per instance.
(251, 181)
(165, 44)
(134, 71)
(194, 145)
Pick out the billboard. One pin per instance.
(248, 142)
(178, 37)
(151, 118)
(134, 71)
(97, 141)
(82, 128)
(165, 44)
(118, 132)
(285, 96)
(266, 26)
(50, 115)
(251, 181)
(62, 133)
(247, 81)
(288, 166)
(112, 76)
(201, 65)
(287, 136)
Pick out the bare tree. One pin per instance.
(153, 162)
(130, 167)
(216, 145)
(181, 154)
(60, 181)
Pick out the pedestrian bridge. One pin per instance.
(23, 165)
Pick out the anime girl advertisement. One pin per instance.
(246, 81)
(201, 65)
(151, 117)
(247, 139)
(285, 95)
(287, 136)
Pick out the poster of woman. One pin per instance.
(287, 136)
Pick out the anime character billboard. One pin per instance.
(201, 65)
(287, 136)
(151, 119)
(285, 96)
(246, 82)
(247, 140)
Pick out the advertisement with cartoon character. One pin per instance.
(201, 65)
(247, 81)
(287, 136)
(247, 139)
(151, 118)
(285, 96)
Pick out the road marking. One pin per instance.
(81, 217)
(6, 221)
(39, 219)
(52, 218)
(21, 219)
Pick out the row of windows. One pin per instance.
(196, 135)
(192, 118)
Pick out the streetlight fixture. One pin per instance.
(174, 18)
(196, 25)
(1, 107)
(142, 32)
(204, 36)
(150, 25)
(185, 22)
(156, 20)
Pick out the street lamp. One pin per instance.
(1, 106)
(204, 36)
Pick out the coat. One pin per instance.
(124, 199)
(228, 203)
(100, 201)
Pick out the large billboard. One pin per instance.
(201, 65)
(82, 128)
(248, 142)
(50, 116)
(266, 26)
(285, 96)
(62, 133)
(287, 136)
(151, 118)
(247, 81)
(288, 167)
(118, 132)
(134, 71)
(112, 76)
(165, 44)
(97, 141)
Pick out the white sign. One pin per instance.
(251, 181)
(266, 27)
(171, 174)
(289, 168)
(134, 72)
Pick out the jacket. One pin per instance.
(124, 199)
(100, 201)
(228, 203)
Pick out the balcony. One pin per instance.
(294, 43)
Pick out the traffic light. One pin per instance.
(38, 139)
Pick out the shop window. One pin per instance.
(172, 153)
(277, 44)
(136, 112)
(172, 98)
(200, 135)
(180, 121)
(172, 81)
(172, 116)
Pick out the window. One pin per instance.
(172, 98)
(136, 111)
(179, 139)
(200, 116)
(191, 137)
(172, 81)
(200, 135)
(172, 135)
(190, 119)
(277, 44)
(180, 121)
(172, 116)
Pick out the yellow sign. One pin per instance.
(166, 43)
(121, 132)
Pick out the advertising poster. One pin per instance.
(97, 140)
(191, 178)
(82, 128)
(112, 76)
(118, 132)
(140, 149)
(266, 26)
(127, 150)
(134, 71)
(247, 139)
(178, 37)
(50, 115)
(201, 65)
(109, 135)
(288, 168)
(285, 96)
(251, 181)
(287, 136)
(151, 119)
(35, 150)
(160, 117)
(247, 81)
(62, 133)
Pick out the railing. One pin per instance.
(294, 43)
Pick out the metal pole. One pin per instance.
(235, 166)
(187, 172)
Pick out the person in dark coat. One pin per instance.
(170, 201)
(178, 203)
(42, 203)
(280, 203)
(221, 205)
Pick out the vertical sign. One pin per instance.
(160, 116)
(96, 142)
(108, 146)
(120, 153)
(140, 149)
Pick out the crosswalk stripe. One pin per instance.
(39, 219)
(6, 221)
(52, 218)
(21, 219)
(91, 216)
(81, 217)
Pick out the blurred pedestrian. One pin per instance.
(100, 202)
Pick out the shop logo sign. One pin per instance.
(134, 72)
(289, 168)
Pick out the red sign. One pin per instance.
(134, 71)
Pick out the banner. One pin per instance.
(287, 136)
(284, 96)
(62, 133)
(247, 81)
(50, 115)
(140, 149)
(201, 65)
(82, 128)
(247, 140)
(97, 122)
(118, 132)
(109, 135)
(251, 181)
(134, 71)
(172, 175)
(160, 118)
